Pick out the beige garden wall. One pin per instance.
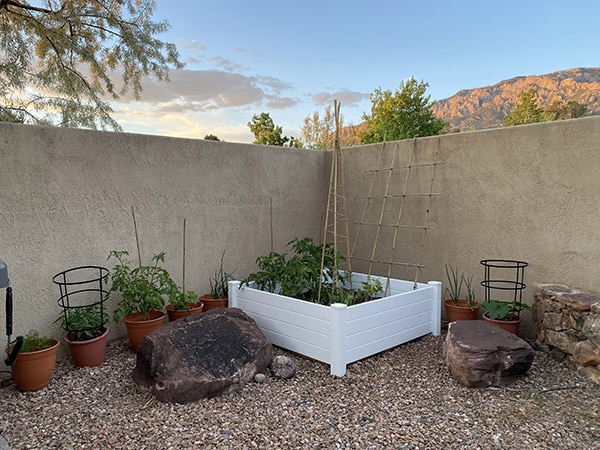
(66, 198)
(528, 193)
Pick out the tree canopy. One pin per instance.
(404, 114)
(318, 131)
(267, 133)
(61, 61)
(527, 110)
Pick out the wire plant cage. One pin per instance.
(505, 276)
(83, 294)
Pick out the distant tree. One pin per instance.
(403, 114)
(295, 143)
(60, 60)
(559, 110)
(211, 137)
(319, 133)
(526, 110)
(266, 132)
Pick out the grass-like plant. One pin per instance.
(219, 283)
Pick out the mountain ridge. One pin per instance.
(486, 107)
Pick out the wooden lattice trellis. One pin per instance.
(414, 177)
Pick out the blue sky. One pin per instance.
(292, 58)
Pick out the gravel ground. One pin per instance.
(403, 398)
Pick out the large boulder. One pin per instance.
(481, 354)
(202, 356)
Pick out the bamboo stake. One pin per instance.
(183, 283)
(137, 238)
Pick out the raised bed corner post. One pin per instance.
(234, 286)
(338, 341)
(437, 307)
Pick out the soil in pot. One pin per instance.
(138, 327)
(212, 303)
(32, 371)
(511, 325)
(175, 314)
(461, 311)
(88, 353)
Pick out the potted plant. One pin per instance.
(185, 304)
(332, 315)
(33, 368)
(219, 289)
(142, 289)
(86, 333)
(506, 315)
(458, 307)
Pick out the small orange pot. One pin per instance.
(32, 371)
(212, 303)
(512, 326)
(88, 353)
(461, 311)
(138, 327)
(175, 314)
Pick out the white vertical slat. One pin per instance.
(338, 341)
(436, 318)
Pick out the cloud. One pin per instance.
(346, 97)
(202, 90)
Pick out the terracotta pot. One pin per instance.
(512, 326)
(89, 353)
(137, 327)
(212, 303)
(175, 314)
(461, 311)
(32, 371)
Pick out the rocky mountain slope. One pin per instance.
(486, 107)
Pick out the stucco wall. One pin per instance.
(66, 199)
(528, 193)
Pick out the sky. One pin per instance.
(292, 58)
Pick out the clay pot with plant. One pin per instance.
(186, 304)
(219, 289)
(506, 315)
(458, 307)
(34, 366)
(143, 290)
(86, 333)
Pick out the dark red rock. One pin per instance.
(202, 356)
(480, 354)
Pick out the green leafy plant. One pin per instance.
(142, 288)
(183, 300)
(219, 283)
(499, 310)
(83, 323)
(300, 275)
(33, 342)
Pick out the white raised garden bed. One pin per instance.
(340, 334)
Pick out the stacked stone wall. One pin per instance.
(567, 324)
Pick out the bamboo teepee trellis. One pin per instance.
(335, 229)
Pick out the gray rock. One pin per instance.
(283, 367)
(202, 356)
(259, 377)
(480, 354)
